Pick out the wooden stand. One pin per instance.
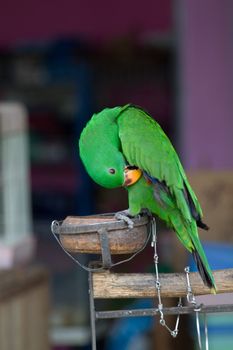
(86, 235)
(142, 285)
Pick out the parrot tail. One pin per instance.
(201, 224)
(188, 235)
(205, 275)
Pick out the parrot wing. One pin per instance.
(145, 145)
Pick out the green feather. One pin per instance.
(145, 145)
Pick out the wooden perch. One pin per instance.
(138, 285)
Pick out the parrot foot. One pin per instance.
(125, 216)
(146, 212)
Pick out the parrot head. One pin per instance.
(109, 171)
(104, 163)
(107, 166)
(99, 148)
(100, 151)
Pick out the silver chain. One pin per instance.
(190, 296)
(162, 320)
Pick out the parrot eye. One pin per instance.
(112, 171)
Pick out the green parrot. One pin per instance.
(124, 146)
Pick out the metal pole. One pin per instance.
(167, 311)
(92, 312)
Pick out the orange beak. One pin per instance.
(131, 176)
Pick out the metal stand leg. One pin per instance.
(92, 312)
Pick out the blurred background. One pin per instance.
(61, 61)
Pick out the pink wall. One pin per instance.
(206, 53)
(102, 19)
(206, 34)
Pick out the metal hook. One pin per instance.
(190, 296)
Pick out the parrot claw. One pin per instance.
(146, 212)
(125, 216)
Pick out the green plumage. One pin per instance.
(163, 189)
(99, 147)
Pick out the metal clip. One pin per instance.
(153, 231)
(190, 296)
(55, 227)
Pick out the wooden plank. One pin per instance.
(125, 285)
(24, 313)
(18, 280)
